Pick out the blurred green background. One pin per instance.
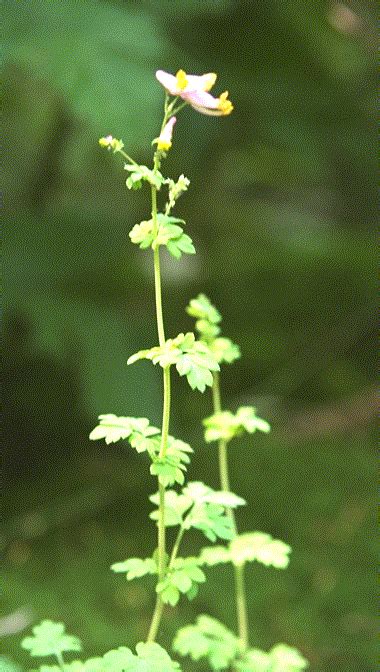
(281, 210)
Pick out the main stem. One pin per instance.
(241, 600)
(156, 619)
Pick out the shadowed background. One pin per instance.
(281, 211)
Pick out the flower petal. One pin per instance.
(169, 82)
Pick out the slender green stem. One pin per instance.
(179, 108)
(128, 158)
(176, 546)
(241, 600)
(156, 620)
(165, 412)
(157, 615)
(61, 662)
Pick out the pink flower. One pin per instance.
(194, 90)
(164, 141)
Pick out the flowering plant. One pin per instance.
(188, 506)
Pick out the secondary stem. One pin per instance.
(241, 601)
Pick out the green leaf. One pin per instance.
(202, 308)
(175, 507)
(254, 660)
(168, 233)
(249, 547)
(168, 470)
(214, 555)
(173, 236)
(261, 547)
(182, 578)
(208, 513)
(142, 234)
(225, 425)
(208, 639)
(135, 568)
(112, 428)
(224, 350)
(140, 174)
(155, 658)
(287, 659)
(150, 658)
(192, 359)
(281, 658)
(49, 639)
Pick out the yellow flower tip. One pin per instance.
(106, 142)
(163, 146)
(111, 143)
(210, 79)
(225, 105)
(182, 80)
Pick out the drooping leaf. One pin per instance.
(50, 639)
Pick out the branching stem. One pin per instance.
(241, 600)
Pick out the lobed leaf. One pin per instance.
(249, 547)
(281, 658)
(168, 234)
(140, 174)
(176, 506)
(202, 308)
(49, 639)
(224, 350)
(135, 568)
(226, 426)
(138, 431)
(192, 359)
(182, 578)
(209, 639)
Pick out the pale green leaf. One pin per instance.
(224, 350)
(214, 555)
(135, 568)
(202, 309)
(260, 547)
(49, 639)
(140, 174)
(226, 426)
(287, 659)
(208, 639)
(138, 431)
